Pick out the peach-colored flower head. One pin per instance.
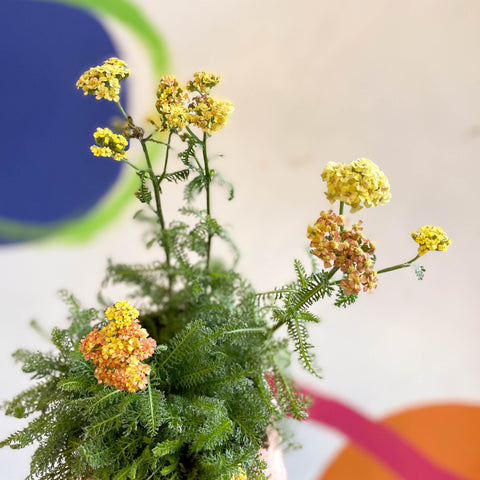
(118, 349)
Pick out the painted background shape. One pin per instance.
(313, 82)
(48, 175)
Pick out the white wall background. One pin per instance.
(312, 82)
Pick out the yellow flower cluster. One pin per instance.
(178, 108)
(109, 144)
(118, 349)
(203, 82)
(430, 238)
(346, 249)
(209, 114)
(359, 184)
(170, 105)
(121, 314)
(103, 81)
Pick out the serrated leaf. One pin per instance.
(178, 176)
(167, 447)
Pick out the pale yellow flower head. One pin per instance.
(358, 184)
(431, 238)
(171, 105)
(203, 82)
(103, 81)
(109, 144)
(209, 114)
(178, 108)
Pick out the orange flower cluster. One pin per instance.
(345, 249)
(118, 349)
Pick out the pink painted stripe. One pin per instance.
(378, 440)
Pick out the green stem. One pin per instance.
(340, 212)
(332, 272)
(277, 326)
(399, 266)
(208, 179)
(123, 112)
(130, 164)
(167, 151)
(159, 212)
(192, 134)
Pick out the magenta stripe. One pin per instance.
(378, 440)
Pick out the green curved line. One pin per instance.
(84, 228)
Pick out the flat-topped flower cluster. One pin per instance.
(109, 144)
(345, 249)
(103, 81)
(179, 107)
(359, 184)
(431, 238)
(118, 349)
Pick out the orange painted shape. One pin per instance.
(449, 435)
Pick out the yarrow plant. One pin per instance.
(188, 386)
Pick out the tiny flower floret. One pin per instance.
(431, 238)
(358, 184)
(103, 81)
(118, 349)
(109, 144)
(346, 249)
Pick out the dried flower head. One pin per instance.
(118, 349)
(359, 184)
(103, 81)
(109, 144)
(346, 249)
(431, 238)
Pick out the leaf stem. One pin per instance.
(245, 330)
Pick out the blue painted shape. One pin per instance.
(47, 171)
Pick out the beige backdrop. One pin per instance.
(312, 82)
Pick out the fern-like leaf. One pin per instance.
(143, 193)
(299, 334)
(151, 407)
(176, 177)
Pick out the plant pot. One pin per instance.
(273, 457)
